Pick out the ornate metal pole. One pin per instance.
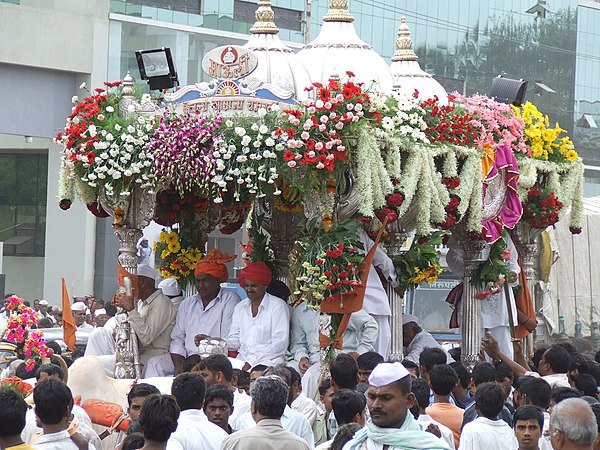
(471, 308)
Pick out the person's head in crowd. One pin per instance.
(36, 304)
(279, 289)
(420, 388)
(410, 328)
(483, 372)
(585, 383)
(191, 363)
(366, 363)
(344, 372)
(255, 278)
(101, 317)
(284, 373)
(389, 397)
(44, 322)
(556, 359)
(455, 353)
(13, 410)
(594, 370)
(596, 411)
(429, 357)
(158, 418)
(362, 388)
(464, 377)
(532, 391)
(55, 346)
(537, 357)
(257, 371)
(111, 309)
(295, 384)
(241, 379)
(53, 404)
(136, 396)
(349, 406)
(413, 368)
(218, 405)
(210, 272)
(504, 377)
(189, 390)
(344, 434)
(442, 379)
(269, 397)
(489, 400)
(580, 364)
(49, 372)
(573, 425)
(528, 423)
(326, 394)
(79, 312)
(216, 369)
(133, 441)
(25, 374)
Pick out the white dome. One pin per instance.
(277, 63)
(338, 49)
(407, 72)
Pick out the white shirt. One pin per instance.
(305, 333)
(554, 379)
(292, 421)
(193, 318)
(85, 326)
(361, 334)
(241, 405)
(262, 339)
(307, 407)
(421, 341)
(447, 435)
(195, 432)
(487, 434)
(376, 300)
(56, 441)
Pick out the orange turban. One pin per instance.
(257, 272)
(213, 264)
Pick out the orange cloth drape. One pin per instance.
(69, 326)
(524, 303)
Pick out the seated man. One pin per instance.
(260, 331)
(415, 339)
(151, 316)
(208, 313)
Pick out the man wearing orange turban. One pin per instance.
(208, 313)
(260, 330)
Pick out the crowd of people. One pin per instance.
(263, 384)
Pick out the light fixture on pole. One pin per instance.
(157, 67)
(507, 90)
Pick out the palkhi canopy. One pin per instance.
(338, 49)
(277, 63)
(407, 72)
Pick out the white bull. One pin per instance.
(88, 380)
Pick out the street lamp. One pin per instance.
(157, 67)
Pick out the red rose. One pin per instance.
(343, 274)
(335, 269)
(387, 212)
(395, 200)
(452, 182)
(575, 230)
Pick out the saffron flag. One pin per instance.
(69, 326)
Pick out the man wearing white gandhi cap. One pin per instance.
(392, 426)
(151, 315)
(79, 314)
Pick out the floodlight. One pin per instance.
(157, 67)
(507, 90)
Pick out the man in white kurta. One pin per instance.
(208, 313)
(494, 309)
(376, 300)
(260, 331)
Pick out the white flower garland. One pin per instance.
(66, 184)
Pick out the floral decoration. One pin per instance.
(490, 275)
(449, 123)
(542, 208)
(17, 385)
(175, 260)
(421, 263)
(103, 153)
(328, 264)
(31, 344)
(172, 207)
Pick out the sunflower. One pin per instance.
(174, 247)
(571, 156)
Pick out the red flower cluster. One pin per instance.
(451, 182)
(172, 208)
(393, 202)
(447, 123)
(542, 208)
(452, 215)
(315, 136)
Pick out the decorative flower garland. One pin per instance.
(542, 208)
(490, 275)
(421, 263)
(31, 343)
(175, 261)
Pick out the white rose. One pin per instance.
(263, 129)
(110, 109)
(83, 85)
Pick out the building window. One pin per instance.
(186, 6)
(23, 190)
(289, 19)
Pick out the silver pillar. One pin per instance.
(397, 238)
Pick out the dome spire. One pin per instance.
(264, 19)
(338, 12)
(404, 44)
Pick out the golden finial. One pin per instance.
(338, 12)
(404, 45)
(264, 19)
